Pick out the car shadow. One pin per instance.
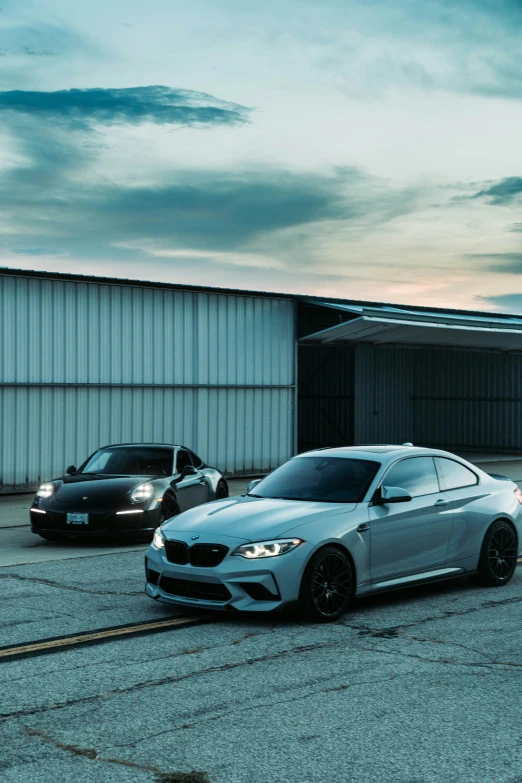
(413, 596)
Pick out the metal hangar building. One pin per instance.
(245, 378)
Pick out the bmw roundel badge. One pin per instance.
(193, 538)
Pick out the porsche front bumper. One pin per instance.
(101, 522)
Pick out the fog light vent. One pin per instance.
(258, 592)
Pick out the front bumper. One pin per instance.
(265, 585)
(102, 522)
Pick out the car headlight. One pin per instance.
(142, 492)
(267, 548)
(158, 539)
(45, 491)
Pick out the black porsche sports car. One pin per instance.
(127, 489)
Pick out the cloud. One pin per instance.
(53, 197)
(506, 303)
(217, 211)
(509, 263)
(502, 192)
(85, 108)
(42, 40)
(466, 47)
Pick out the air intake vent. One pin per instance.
(185, 588)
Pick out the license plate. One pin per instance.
(77, 519)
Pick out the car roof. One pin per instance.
(387, 452)
(148, 445)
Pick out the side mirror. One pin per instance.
(253, 484)
(385, 495)
(71, 470)
(188, 470)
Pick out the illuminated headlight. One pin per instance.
(141, 493)
(45, 491)
(158, 540)
(267, 548)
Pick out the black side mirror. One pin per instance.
(71, 470)
(385, 495)
(188, 470)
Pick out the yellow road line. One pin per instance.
(105, 634)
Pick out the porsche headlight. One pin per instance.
(267, 548)
(45, 491)
(142, 492)
(158, 539)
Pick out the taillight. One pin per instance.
(518, 493)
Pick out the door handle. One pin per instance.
(441, 502)
(363, 528)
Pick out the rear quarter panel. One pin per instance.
(213, 476)
(474, 513)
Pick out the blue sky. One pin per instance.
(369, 150)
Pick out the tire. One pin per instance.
(498, 555)
(328, 585)
(221, 491)
(168, 509)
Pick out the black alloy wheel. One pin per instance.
(498, 556)
(221, 491)
(168, 509)
(328, 585)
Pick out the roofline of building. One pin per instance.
(305, 298)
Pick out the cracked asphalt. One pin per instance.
(418, 686)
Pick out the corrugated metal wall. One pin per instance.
(84, 364)
(326, 394)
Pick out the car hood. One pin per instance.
(96, 489)
(252, 519)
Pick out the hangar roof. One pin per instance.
(362, 321)
(386, 324)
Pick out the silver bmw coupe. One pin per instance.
(334, 523)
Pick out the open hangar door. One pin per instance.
(379, 374)
(325, 396)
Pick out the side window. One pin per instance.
(182, 460)
(416, 475)
(453, 475)
(196, 461)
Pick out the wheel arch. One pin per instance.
(336, 544)
(170, 497)
(508, 521)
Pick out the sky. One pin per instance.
(363, 149)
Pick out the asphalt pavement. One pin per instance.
(417, 686)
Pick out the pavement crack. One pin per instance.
(52, 583)
(492, 664)
(394, 630)
(490, 658)
(303, 649)
(271, 703)
(160, 776)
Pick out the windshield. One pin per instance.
(323, 479)
(134, 461)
